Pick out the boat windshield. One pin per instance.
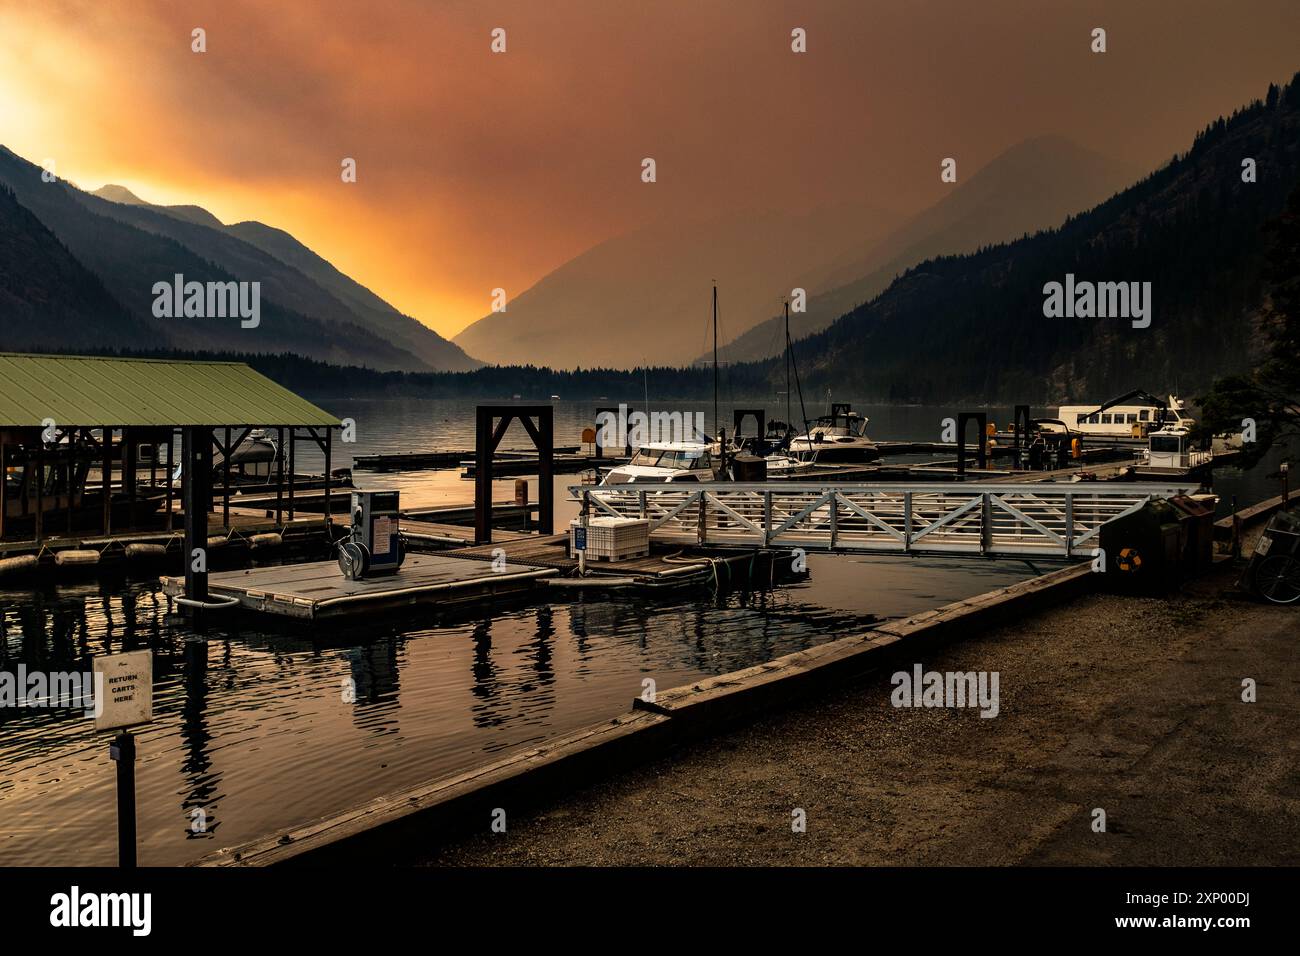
(1166, 443)
(671, 458)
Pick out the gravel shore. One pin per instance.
(1128, 704)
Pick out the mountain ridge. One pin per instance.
(1007, 197)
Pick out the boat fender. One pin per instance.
(19, 565)
(76, 558)
(141, 550)
(270, 539)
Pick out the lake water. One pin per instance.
(253, 732)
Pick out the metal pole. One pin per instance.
(122, 750)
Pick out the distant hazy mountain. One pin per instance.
(129, 245)
(359, 303)
(972, 328)
(194, 214)
(374, 313)
(644, 298)
(416, 337)
(46, 296)
(1033, 185)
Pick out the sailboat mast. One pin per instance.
(717, 424)
(788, 396)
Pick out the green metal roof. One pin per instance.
(94, 391)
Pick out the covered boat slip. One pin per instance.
(87, 424)
(65, 419)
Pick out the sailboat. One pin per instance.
(783, 463)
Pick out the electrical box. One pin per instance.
(374, 544)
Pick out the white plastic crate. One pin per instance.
(612, 538)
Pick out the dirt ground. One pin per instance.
(1128, 704)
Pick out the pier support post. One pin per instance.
(4, 485)
(488, 432)
(196, 499)
(122, 750)
(981, 423)
(1020, 436)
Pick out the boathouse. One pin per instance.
(89, 445)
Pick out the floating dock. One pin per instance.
(318, 591)
(665, 565)
(440, 458)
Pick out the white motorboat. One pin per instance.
(669, 461)
(837, 438)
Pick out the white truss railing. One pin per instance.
(1047, 519)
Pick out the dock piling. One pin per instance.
(196, 499)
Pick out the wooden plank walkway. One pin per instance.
(438, 534)
(661, 565)
(318, 590)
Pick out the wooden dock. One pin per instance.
(418, 535)
(665, 564)
(318, 591)
(439, 458)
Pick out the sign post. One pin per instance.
(122, 749)
(124, 698)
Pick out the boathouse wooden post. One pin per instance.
(106, 477)
(4, 483)
(40, 486)
(226, 452)
(196, 499)
(293, 465)
(279, 476)
(327, 447)
(171, 470)
(67, 475)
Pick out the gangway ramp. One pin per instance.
(1044, 519)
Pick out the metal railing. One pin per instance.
(1046, 519)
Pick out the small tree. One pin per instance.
(1270, 393)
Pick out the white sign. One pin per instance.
(383, 532)
(124, 689)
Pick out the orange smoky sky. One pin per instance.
(478, 170)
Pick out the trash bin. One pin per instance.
(1144, 549)
(1196, 515)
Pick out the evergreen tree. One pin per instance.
(1270, 393)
